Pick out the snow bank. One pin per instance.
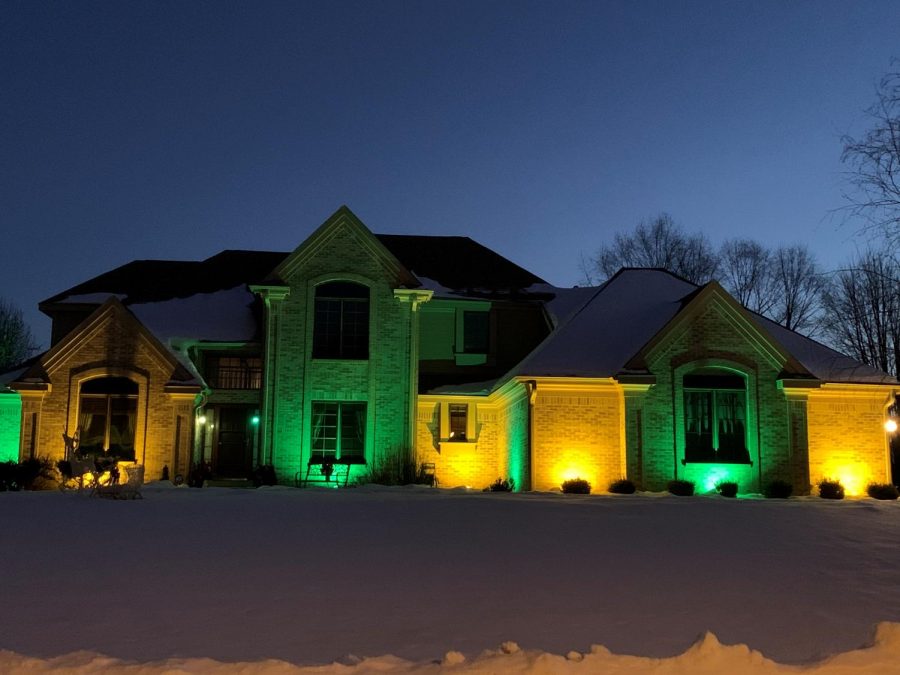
(706, 657)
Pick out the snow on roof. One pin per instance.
(222, 316)
(91, 298)
(600, 337)
(825, 363)
(563, 302)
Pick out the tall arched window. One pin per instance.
(107, 414)
(715, 417)
(341, 326)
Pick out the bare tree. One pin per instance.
(862, 304)
(16, 340)
(746, 271)
(797, 287)
(658, 243)
(874, 161)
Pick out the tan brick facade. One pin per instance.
(110, 343)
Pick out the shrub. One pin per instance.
(727, 488)
(882, 491)
(264, 474)
(576, 486)
(395, 469)
(623, 486)
(30, 474)
(778, 489)
(681, 488)
(501, 485)
(831, 489)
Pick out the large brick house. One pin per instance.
(363, 350)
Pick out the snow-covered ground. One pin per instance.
(277, 580)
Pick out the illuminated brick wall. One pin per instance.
(714, 338)
(382, 381)
(846, 436)
(110, 345)
(577, 434)
(10, 426)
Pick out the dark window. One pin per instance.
(476, 332)
(458, 421)
(107, 414)
(234, 372)
(341, 328)
(715, 419)
(338, 431)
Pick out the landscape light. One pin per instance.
(890, 425)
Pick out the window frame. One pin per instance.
(349, 341)
(694, 455)
(338, 454)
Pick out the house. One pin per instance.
(361, 350)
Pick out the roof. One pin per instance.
(458, 263)
(624, 314)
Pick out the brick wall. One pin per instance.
(110, 346)
(846, 436)
(382, 381)
(714, 338)
(577, 434)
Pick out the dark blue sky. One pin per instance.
(174, 130)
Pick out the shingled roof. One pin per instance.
(624, 314)
(457, 263)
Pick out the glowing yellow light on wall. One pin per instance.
(201, 419)
(890, 425)
(854, 476)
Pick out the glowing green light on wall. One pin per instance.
(254, 420)
(10, 423)
(715, 476)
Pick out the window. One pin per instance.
(459, 413)
(476, 332)
(338, 431)
(715, 418)
(341, 326)
(234, 372)
(107, 414)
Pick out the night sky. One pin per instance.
(175, 130)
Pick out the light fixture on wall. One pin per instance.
(890, 425)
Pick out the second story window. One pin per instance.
(341, 326)
(234, 372)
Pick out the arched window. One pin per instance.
(715, 417)
(107, 414)
(341, 326)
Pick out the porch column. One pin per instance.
(415, 298)
(272, 297)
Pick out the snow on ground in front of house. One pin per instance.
(199, 580)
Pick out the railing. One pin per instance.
(237, 377)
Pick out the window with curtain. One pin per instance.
(341, 322)
(338, 431)
(715, 418)
(107, 415)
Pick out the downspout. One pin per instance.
(531, 391)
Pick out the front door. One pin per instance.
(234, 447)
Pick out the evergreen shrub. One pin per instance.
(681, 488)
(576, 486)
(727, 488)
(623, 486)
(831, 489)
(778, 489)
(882, 491)
(501, 485)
